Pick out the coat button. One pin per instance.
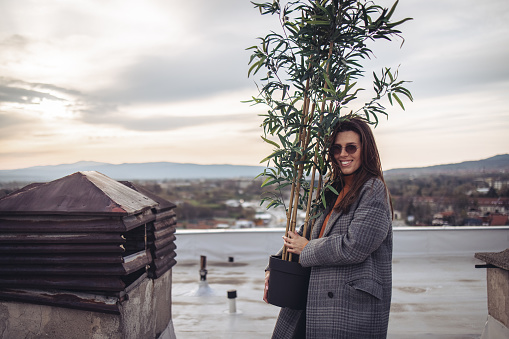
(330, 294)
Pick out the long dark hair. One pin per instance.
(371, 166)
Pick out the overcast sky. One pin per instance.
(162, 80)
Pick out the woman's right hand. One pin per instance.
(266, 289)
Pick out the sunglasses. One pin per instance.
(337, 149)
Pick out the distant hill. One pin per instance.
(132, 171)
(170, 170)
(498, 163)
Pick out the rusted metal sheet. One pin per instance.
(165, 215)
(60, 259)
(65, 270)
(89, 283)
(134, 221)
(67, 299)
(159, 271)
(162, 261)
(165, 250)
(62, 238)
(164, 232)
(136, 261)
(160, 243)
(128, 199)
(81, 193)
(162, 204)
(54, 224)
(165, 223)
(61, 248)
(25, 188)
(130, 264)
(163, 264)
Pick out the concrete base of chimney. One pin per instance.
(146, 314)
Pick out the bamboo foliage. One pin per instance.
(313, 67)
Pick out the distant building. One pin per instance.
(498, 220)
(242, 223)
(262, 218)
(473, 221)
(492, 205)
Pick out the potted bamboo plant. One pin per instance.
(313, 67)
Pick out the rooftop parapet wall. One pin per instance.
(256, 244)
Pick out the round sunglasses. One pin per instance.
(336, 150)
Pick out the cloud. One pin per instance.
(11, 121)
(169, 78)
(21, 95)
(13, 126)
(160, 123)
(450, 47)
(19, 91)
(161, 73)
(15, 42)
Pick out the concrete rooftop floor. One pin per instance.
(433, 297)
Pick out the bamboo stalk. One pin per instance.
(304, 136)
(293, 205)
(288, 213)
(302, 143)
(312, 184)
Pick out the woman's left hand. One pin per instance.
(295, 243)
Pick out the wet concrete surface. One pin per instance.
(433, 297)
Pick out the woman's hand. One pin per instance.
(266, 289)
(295, 243)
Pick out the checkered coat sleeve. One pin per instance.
(350, 286)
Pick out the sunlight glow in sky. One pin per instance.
(140, 81)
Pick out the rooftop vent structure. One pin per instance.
(497, 265)
(85, 242)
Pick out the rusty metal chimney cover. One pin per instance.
(81, 193)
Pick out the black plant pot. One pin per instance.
(288, 283)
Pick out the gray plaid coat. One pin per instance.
(350, 286)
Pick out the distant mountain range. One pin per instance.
(498, 163)
(132, 171)
(170, 170)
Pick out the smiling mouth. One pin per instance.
(345, 163)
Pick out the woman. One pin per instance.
(350, 251)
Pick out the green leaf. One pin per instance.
(270, 142)
(269, 157)
(388, 70)
(333, 189)
(268, 182)
(322, 196)
(398, 100)
(265, 182)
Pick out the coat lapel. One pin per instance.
(318, 225)
(332, 220)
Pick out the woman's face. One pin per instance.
(348, 163)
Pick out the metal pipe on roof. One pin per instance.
(203, 268)
(232, 296)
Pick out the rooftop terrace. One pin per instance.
(437, 291)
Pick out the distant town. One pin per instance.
(472, 193)
(480, 199)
